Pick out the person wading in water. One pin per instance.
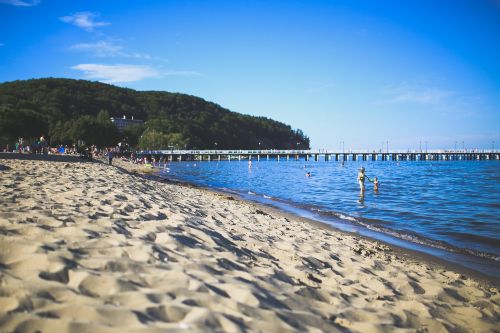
(361, 180)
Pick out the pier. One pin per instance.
(318, 155)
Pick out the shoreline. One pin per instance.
(410, 254)
(419, 255)
(90, 247)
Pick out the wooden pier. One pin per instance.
(319, 155)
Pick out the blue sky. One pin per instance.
(362, 72)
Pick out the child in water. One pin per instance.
(375, 184)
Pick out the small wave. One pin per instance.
(251, 193)
(407, 235)
(477, 238)
(417, 239)
(346, 217)
(267, 197)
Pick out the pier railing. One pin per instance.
(322, 154)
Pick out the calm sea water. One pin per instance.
(447, 208)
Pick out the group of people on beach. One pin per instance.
(22, 145)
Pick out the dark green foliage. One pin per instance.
(93, 131)
(154, 139)
(132, 134)
(23, 123)
(69, 110)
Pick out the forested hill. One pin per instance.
(66, 110)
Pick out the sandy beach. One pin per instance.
(85, 247)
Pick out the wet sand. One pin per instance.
(85, 247)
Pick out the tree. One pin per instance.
(153, 140)
(177, 140)
(107, 131)
(103, 117)
(93, 132)
(132, 134)
(23, 123)
(60, 133)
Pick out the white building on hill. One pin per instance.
(122, 123)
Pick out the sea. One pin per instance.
(448, 209)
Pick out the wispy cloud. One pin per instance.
(417, 94)
(116, 73)
(21, 3)
(100, 49)
(109, 49)
(123, 73)
(84, 20)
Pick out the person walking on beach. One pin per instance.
(43, 145)
(110, 157)
(361, 180)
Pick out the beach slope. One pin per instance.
(85, 247)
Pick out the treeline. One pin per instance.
(67, 111)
